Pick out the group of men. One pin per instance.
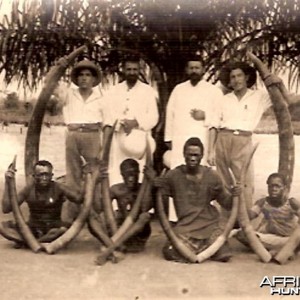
(201, 124)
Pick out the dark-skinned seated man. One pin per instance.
(193, 187)
(125, 193)
(45, 199)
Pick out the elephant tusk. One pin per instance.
(218, 243)
(106, 200)
(25, 231)
(283, 118)
(143, 219)
(35, 124)
(78, 223)
(286, 147)
(133, 214)
(244, 220)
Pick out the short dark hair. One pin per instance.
(131, 59)
(129, 163)
(193, 141)
(277, 175)
(43, 163)
(194, 57)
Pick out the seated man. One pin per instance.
(280, 215)
(125, 194)
(45, 199)
(193, 187)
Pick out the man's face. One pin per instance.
(85, 79)
(42, 176)
(195, 71)
(193, 156)
(238, 80)
(131, 71)
(276, 188)
(131, 178)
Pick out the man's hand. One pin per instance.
(211, 159)
(272, 79)
(197, 114)
(236, 190)
(150, 173)
(10, 173)
(128, 125)
(159, 182)
(63, 62)
(103, 172)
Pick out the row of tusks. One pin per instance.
(136, 220)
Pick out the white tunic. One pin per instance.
(139, 103)
(180, 125)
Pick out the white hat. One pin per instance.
(134, 144)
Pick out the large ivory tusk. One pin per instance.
(133, 214)
(283, 117)
(25, 231)
(106, 200)
(219, 242)
(244, 221)
(35, 124)
(286, 145)
(79, 222)
(143, 219)
(77, 225)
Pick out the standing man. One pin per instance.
(134, 104)
(190, 110)
(85, 114)
(239, 113)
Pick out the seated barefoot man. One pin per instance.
(193, 187)
(44, 198)
(280, 215)
(125, 194)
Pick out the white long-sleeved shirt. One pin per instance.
(243, 114)
(139, 103)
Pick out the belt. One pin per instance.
(84, 127)
(236, 131)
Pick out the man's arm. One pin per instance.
(256, 209)
(211, 151)
(75, 196)
(295, 204)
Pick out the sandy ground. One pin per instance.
(71, 273)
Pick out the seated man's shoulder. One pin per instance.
(295, 203)
(27, 189)
(118, 189)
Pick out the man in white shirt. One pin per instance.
(239, 113)
(134, 104)
(85, 114)
(190, 110)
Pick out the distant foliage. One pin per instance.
(11, 101)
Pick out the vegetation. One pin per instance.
(164, 33)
